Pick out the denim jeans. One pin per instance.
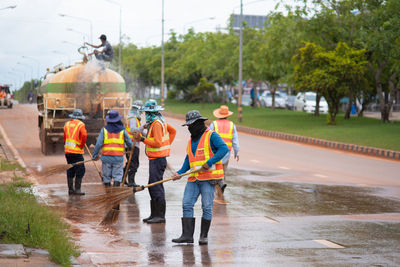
(112, 170)
(192, 192)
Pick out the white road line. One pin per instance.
(284, 168)
(320, 175)
(329, 244)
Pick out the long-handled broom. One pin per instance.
(94, 163)
(62, 168)
(112, 215)
(116, 195)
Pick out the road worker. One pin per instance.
(133, 126)
(112, 140)
(75, 136)
(160, 136)
(227, 130)
(204, 153)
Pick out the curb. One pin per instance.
(364, 150)
(14, 151)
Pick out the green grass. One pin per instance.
(47, 230)
(360, 131)
(9, 166)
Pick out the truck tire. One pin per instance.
(45, 144)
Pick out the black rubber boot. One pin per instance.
(222, 185)
(151, 213)
(78, 182)
(131, 180)
(159, 216)
(187, 231)
(107, 184)
(205, 226)
(116, 183)
(70, 186)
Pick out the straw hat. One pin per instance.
(222, 112)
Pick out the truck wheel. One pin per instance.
(45, 144)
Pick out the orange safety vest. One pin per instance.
(203, 154)
(113, 144)
(224, 128)
(3, 94)
(164, 150)
(72, 140)
(128, 128)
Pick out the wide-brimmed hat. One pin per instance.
(113, 116)
(77, 114)
(193, 116)
(222, 112)
(151, 106)
(138, 104)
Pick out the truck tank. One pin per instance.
(87, 86)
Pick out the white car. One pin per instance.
(307, 101)
(266, 100)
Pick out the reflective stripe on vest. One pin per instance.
(225, 129)
(164, 150)
(72, 141)
(203, 154)
(113, 144)
(128, 128)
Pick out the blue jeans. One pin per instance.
(192, 192)
(112, 170)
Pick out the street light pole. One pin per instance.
(58, 52)
(38, 65)
(8, 7)
(120, 33)
(82, 33)
(87, 20)
(194, 21)
(240, 62)
(162, 55)
(29, 66)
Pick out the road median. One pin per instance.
(353, 148)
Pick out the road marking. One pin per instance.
(255, 161)
(320, 175)
(329, 244)
(284, 168)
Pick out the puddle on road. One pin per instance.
(252, 203)
(288, 199)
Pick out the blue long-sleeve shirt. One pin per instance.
(235, 143)
(110, 159)
(218, 147)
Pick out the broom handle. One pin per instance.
(169, 179)
(94, 163)
(80, 162)
(128, 163)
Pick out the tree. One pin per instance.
(203, 91)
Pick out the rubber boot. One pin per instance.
(187, 231)
(151, 213)
(116, 184)
(205, 226)
(107, 184)
(159, 216)
(70, 186)
(222, 185)
(78, 182)
(131, 180)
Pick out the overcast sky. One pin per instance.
(34, 28)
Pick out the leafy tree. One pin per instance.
(203, 91)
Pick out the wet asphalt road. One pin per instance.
(288, 205)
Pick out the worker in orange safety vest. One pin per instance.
(227, 130)
(75, 136)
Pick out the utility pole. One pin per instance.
(162, 55)
(240, 63)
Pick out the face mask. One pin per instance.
(196, 129)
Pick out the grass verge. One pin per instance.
(24, 221)
(360, 131)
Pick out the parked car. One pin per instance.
(266, 100)
(307, 101)
(290, 102)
